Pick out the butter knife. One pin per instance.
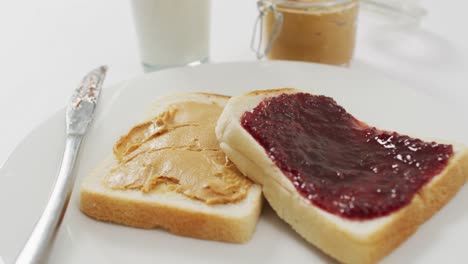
(79, 114)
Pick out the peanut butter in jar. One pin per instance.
(320, 31)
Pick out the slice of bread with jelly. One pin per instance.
(354, 191)
(168, 172)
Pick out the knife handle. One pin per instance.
(36, 247)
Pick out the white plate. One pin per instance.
(26, 178)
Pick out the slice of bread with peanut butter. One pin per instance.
(169, 172)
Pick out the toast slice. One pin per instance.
(164, 207)
(349, 241)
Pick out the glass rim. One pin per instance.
(301, 4)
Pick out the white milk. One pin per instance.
(172, 32)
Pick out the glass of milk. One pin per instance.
(172, 32)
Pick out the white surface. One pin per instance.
(47, 46)
(172, 32)
(27, 177)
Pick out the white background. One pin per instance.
(47, 46)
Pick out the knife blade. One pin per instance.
(79, 114)
(80, 110)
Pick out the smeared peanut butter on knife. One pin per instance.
(178, 151)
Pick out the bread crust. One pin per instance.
(213, 95)
(177, 220)
(346, 240)
(232, 222)
(271, 91)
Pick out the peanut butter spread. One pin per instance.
(178, 151)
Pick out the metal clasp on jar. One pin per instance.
(263, 8)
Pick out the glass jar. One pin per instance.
(320, 31)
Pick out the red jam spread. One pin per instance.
(339, 163)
